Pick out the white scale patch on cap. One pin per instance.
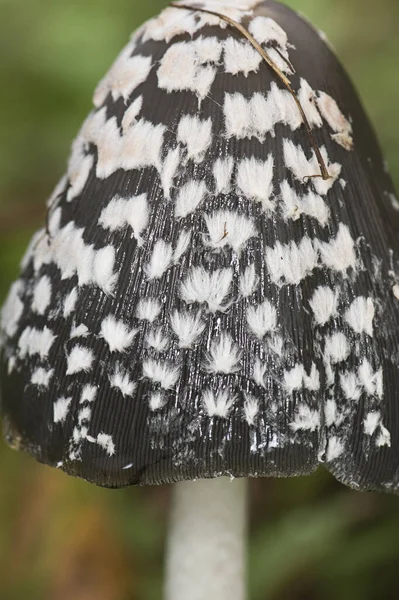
(303, 168)
(196, 135)
(311, 205)
(156, 339)
(160, 261)
(291, 263)
(336, 348)
(339, 254)
(123, 212)
(181, 69)
(336, 120)
(126, 74)
(117, 334)
(335, 448)
(251, 409)
(204, 287)
(222, 172)
(12, 309)
(266, 30)
(324, 304)
(297, 378)
(189, 198)
(156, 401)
(259, 373)
(255, 180)
(148, 309)
(360, 315)
(169, 170)
(219, 404)
(41, 295)
(70, 302)
(188, 327)
(164, 373)
(132, 113)
(372, 423)
(248, 281)
(35, 341)
(79, 331)
(182, 245)
(240, 57)
(306, 419)
(229, 228)
(262, 319)
(60, 409)
(42, 377)
(106, 442)
(120, 380)
(224, 355)
(79, 359)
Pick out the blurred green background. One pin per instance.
(63, 539)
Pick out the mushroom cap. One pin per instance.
(199, 302)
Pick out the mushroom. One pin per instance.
(215, 292)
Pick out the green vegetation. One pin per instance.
(62, 538)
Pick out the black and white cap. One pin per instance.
(201, 301)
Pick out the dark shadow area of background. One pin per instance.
(63, 539)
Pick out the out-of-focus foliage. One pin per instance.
(62, 538)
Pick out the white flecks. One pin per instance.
(180, 69)
(126, 74)
(290, 263)
(103, 269)
(208, 49)
(187, 327)
(259, 115)
(12, 361)
(190, 197)
(222, 172)
(351, 386)
(240, 57)
(259, 372)
(395, 291)
(123, 212)
(148, 309)
(324, 304)
(339, 254)
(304, 168)
(332, 415)
(60, 408)
(336, 348)
(219, 404)
(224, 355)
(371, 422)
(156, 401)
(79, 331)
(70, 302)
(297, 378)
(204, 287)
(182, 244)
(166, 374)
(35, 341)
(277, 57)
(336, 120)
(310, 204)
(120, 380)
(42, 377)
(334, 448)
(105, 441)
(79, 359)
(160, 261)
(88, 394)
(266, 30)
(262, 318)
(169, 23)
(360, 315)
(306, 419)
(255, 180)
(78, 174)
(371, 380)
(12, 309)
(308, 100)
(169, 170)
(251, 409)
(196, 135)
(117, 334)
(58, 190)
(156, 339)
(248, 281)
(227, 228)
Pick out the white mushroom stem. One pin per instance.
(206, 554)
